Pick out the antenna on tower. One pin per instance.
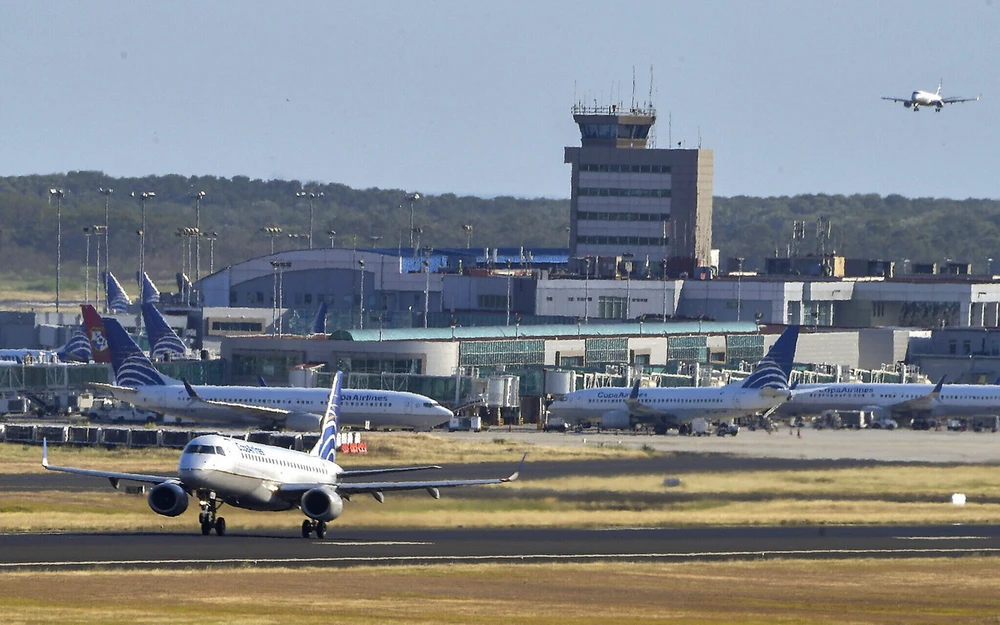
(699, 136)
(632, 106)
(650, 86)
(670, 129)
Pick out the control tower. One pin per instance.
(635, 201)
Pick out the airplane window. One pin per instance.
(220, 451)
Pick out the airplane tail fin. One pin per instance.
(118, 299)
(940, 82)
(130, 365)
(326, 447)
(776, 367)
(148, 293)
(77, 349)
(319, 323)
(93, 326)
(164, 344)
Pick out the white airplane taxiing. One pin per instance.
(300, 409)
(665, 408)
(929, 98)
(220, 470)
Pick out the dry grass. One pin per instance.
(916, 591)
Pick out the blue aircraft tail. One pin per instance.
(326, 448)
(118, 300)
(77, 349)
(776, 367)
(319, 323)
(164, 344)
(148, 293)
(130, 365)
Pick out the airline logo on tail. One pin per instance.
(131, 366)
(77, 349)
(327, 447)
(776, 367)
(93, 327)
(163, 342)
(148, 293)
(118, 300)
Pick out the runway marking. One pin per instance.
(503, 557)
(942, 537)
(372, 543)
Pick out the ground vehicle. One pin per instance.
(465, 424)
(884, 424)
(110, 411)
(725, 428)
(956, 425)
(556, 424)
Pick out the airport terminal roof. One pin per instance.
(654, 328)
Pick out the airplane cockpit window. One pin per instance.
(563, 398)
(204, 449)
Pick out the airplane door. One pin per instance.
(408, 406)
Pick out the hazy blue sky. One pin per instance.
(474, 97)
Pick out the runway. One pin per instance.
(58, 551)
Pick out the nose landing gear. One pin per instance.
(208, 518)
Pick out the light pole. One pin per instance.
(628, 290)
(271, 231)
(88, 231)
(508, 291)
(99, 231)
(989, 266)
(468, 235)
(211, 246)
(361, 311)
(145, 195)
(586, 291)
(375, 239)
(427, 289)
(312, 196)
(197, 225)
(279, 266)
(107, 244)
(58, 193)
(413, 197)
(333, 237)
(417, 231)
(298, 236)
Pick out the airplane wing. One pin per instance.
(360, 472)
(957, 100)
(121, 393)
(896, 99)
(920, 403)
(250, 410)
(110, 475)
(638, 409)
(294, 491)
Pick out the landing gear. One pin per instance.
(208, 518)
(308, 527)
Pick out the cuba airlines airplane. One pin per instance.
(927, 98)
(893, 400)
(665, 408)
(220, 470)
(299, 409)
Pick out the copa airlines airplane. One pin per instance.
(892, 400)
(299, 409)
(664, 408)
(220, 470)
(926, 98)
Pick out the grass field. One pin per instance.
(915, 591)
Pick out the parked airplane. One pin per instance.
(926, 98)
(319, 323)
(93, 327)
(148, 293)
(118, 299)
(164, 344)
(76, 350)
(301, 409)
(220, 470)
(664, 408)
(895, 400)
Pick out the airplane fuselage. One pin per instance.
(926, 98)
(953, 400)
(378, 409)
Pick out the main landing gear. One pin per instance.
(208, 518)
(309, 526)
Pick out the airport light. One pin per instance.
(143, 197)
(298, 236)
(211, 244)
(586, 291)
(468, 235)
(375, 238)
(427, 289)
(272, 232)
(413, 197)
(88, 231)
(333, 237)
(989, 266)
(279, 267)
(198, 197)
(58, 194)
(361, 311)
(107, 244)
(312, 195)
(509, 273)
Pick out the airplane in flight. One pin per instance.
(665, 408)
(927, 98)
(137, 382)
(221, 470)
(889, 401)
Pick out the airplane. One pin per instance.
(665, 408)
(118, 299)
(93, 327)
(888, 401)
(221, 470)
(926, 98)
(319, 323)
(164, 344)
(137, 382)
(148, 293)
(76, 350)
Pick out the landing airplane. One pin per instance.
(301, 409)
(895, 400)
(220, 470)
(926, 98)
(664, 408)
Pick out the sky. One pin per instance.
(474, 98)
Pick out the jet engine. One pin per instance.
(168, 499)
(322, 503)
(302, 422)
(907, 104)
(616, 420)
